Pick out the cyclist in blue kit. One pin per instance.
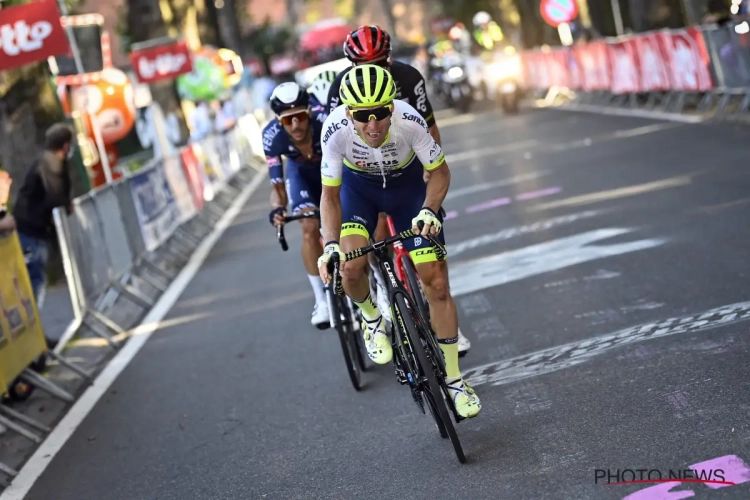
(295, 133)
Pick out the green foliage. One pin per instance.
(121, 28)
(464, 11)
(269, 40)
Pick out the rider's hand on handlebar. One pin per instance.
(332, 248)
(431, 222)
(276, 217)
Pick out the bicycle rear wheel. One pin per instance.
(342, 322)
(431, 388)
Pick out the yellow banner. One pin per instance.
(21, 333)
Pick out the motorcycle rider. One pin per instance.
(486, 31)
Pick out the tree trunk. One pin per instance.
(229, 27)
(145, 23)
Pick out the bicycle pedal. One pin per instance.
(401, 376)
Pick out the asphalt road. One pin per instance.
(599, 266)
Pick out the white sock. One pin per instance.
(318, 288)
(376, 273)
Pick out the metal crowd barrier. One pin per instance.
(116, 237)
(700, 69)
(124, 243)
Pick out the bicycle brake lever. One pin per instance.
(440, 251)
(281, 238)
(333, 269)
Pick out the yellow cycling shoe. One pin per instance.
(376, 341)
(465, 400)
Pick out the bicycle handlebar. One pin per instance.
(315, 214)
(440, 251)
(333, 264)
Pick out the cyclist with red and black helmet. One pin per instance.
(372, 45)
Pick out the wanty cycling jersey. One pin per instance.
(407, 141)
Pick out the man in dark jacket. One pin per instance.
(47, 185)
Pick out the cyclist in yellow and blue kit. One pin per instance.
(385, 145)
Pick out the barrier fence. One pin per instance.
(121, 246)
(699, 68)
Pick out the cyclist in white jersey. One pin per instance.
(385, 146)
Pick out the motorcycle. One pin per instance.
(451, 82)
(502, 78)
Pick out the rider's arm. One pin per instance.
(433, 159)
(275, 170)
(330, 213)
(435, 133)
(331, 170)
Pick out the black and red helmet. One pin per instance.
(366, 44)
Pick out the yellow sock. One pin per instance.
(369, 310)
(450, 353)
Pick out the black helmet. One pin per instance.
(287, 96)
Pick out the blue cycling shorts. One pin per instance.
(303, 186)
(363, 198)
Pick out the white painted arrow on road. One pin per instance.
(496, 270)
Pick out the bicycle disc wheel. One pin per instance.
(346, 336)
(427, 368)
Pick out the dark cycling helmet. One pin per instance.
(288, 95)
(367, 43)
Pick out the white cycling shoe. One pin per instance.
(320, 317)
(464, 344)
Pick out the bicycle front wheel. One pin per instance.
(430, 387)
(343, 323)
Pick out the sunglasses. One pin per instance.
(364, 115)
(287, 119)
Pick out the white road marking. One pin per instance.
(574, 353)
(636, 113)
(486, 186)
(473, 154)
(496, 270)
(512, 232)
(47, 451)
(617, 193)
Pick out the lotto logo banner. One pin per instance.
(163, 62)
(31, 33)
(21, 334)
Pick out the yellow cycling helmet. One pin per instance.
(367, 86)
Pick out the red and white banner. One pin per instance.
(687, 57)
(31, 33)
(162, 62)
(666, 60)
(192, 169)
